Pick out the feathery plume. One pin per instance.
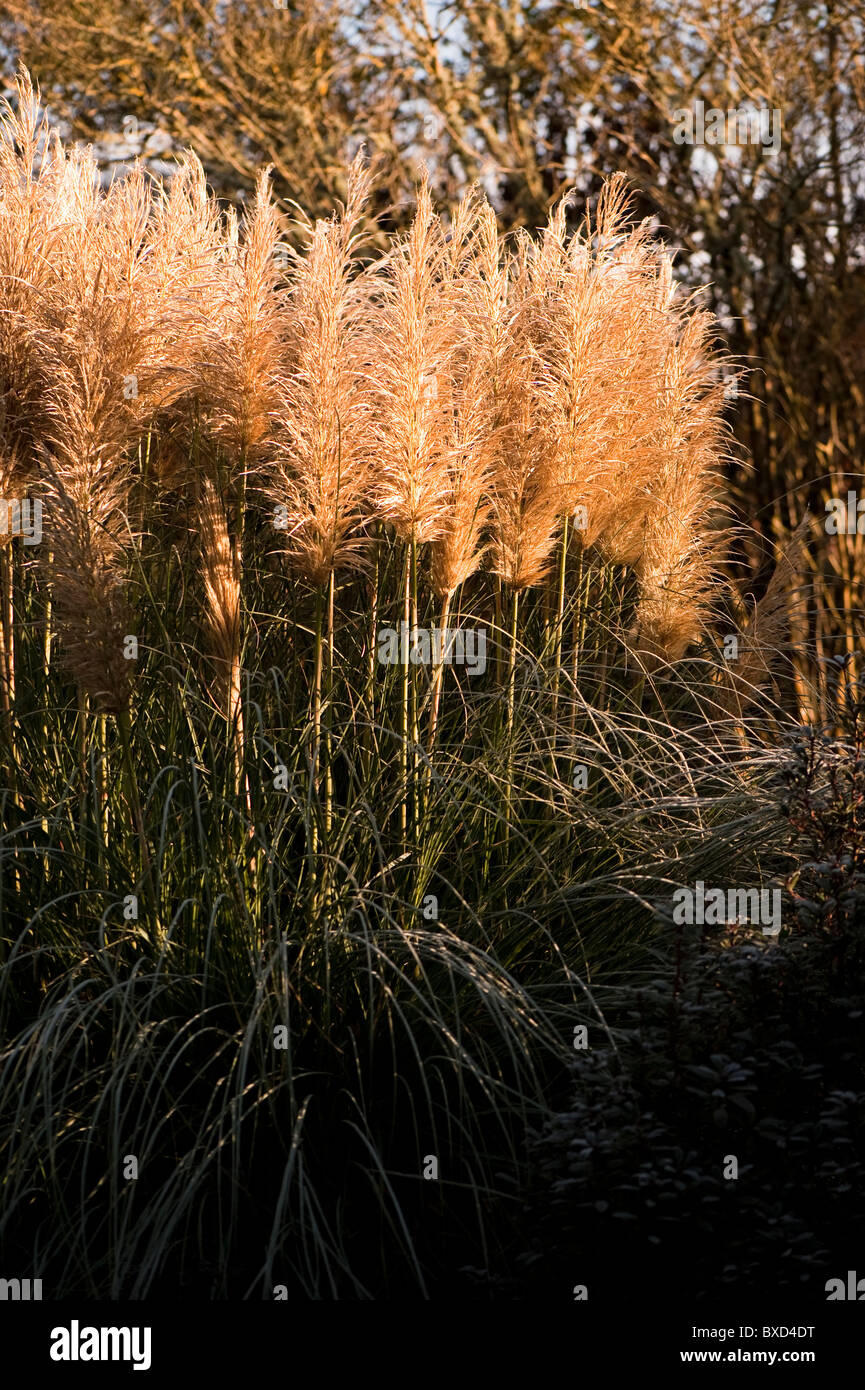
(523, 498)
(320, 473)
(681, 543)
(475, 290)
(456, 553)
(93, 354)
(246, 331)
(413, 343)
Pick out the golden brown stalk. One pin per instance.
(31, 217)
(585, 288)
(10, 481)
(240, 326)
(632, 380)
(566, 326)
(487, 307)
(98, 346)
(222, 591)
(85, 499)
(475, 300)
(524, 501)
(185, 249)
(86, 489)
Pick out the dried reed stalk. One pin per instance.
(243, 343)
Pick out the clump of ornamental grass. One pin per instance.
(273, 1060)
(525, 433)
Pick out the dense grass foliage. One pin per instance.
(730, 1047)
(408, 1034)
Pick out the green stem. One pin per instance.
(578, 630)
(512, 668)
(101, 790)
(438, 679)
(124, 729)
(46, 703)
(497, 596)
(606, 611)
(235, 695)
(560, 611)
(415, 731)
(328, 713)
(316, 728)
(369, 739)
(405, 676)
(83, 712)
